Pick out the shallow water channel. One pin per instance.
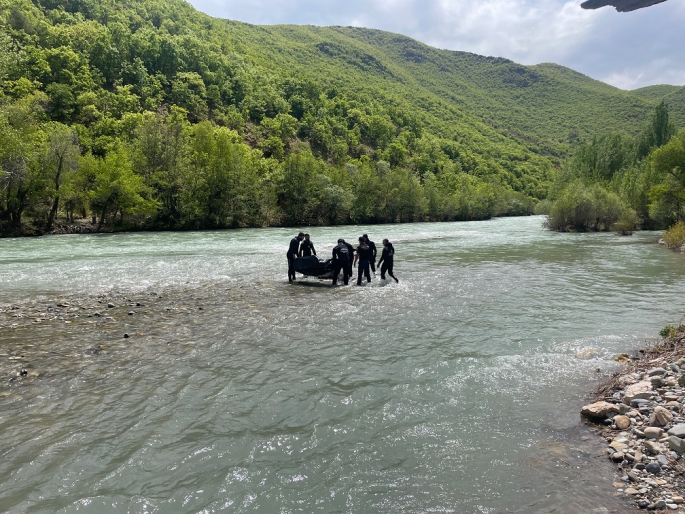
(457, 390)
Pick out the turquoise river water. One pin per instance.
(457, 390)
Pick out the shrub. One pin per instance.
(675, 236)
(543, 207)
(627, 223)
(582, 208)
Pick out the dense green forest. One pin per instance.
(622, 182)
(150, 114)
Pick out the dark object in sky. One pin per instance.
(621, 5)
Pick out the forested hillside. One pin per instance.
(149, 114)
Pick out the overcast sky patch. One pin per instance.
(627, 50)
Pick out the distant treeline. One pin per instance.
(617, 182)
(117, 114)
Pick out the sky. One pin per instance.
(627, 50)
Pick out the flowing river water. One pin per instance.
(456, 390)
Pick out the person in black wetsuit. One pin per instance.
(307, 247)
(341, 260)
(293, 250)
(387, 259)
(350, 249)
(374, 253)
(364, 258)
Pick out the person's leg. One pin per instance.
(346, 275)
(366, 271)
(373, 266)
(384, 268)
(391, 273)
(291, 269)
(359, 273)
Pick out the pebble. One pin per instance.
(622, 422)
(653, 467)
(653, 432)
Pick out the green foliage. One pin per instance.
(675, 236)
(151, 114)
(583, 208)
(643, 178)
(668, 332)
(627, 223)
(667, 166)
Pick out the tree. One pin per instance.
(668, 196)
(60, 158)
(116, 189)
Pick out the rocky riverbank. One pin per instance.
(641, 415)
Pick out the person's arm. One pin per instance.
(382, 258)
(299, 251)
(356, 257)
(313, 250)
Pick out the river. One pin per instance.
(456, 390)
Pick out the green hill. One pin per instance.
(656, 92)
(460, 135)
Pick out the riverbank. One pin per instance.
(640, 413)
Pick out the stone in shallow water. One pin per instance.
(598, 410)
(618, 446)
(618, 457)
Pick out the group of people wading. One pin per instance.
(345, 257)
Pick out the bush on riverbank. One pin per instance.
(584, 209)
(675, 236)
(617, 183)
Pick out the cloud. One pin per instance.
(627, 50)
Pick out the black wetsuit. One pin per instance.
(374, 254)
(350, 249)
(307, 248)
(387, 259)
(364, 255)
(292, 255)
(341, 261)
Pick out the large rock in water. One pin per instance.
(620, 5)
(598, 410)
